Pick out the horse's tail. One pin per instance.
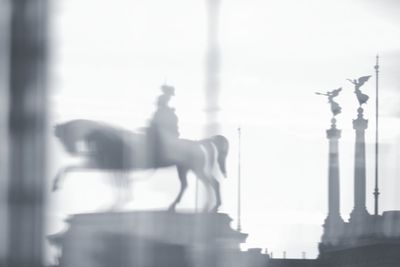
(222, 146)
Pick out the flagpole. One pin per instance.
(376, 191)
(239, 227)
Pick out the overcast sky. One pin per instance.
(108, 61)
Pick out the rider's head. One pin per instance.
(168, 90)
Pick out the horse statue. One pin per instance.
(108, 148)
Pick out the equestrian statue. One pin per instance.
(109, 148)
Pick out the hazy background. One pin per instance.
(109, 59)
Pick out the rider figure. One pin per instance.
(163, 129)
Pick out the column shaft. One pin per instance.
(333, 176)
(333, 227)
(359, 125)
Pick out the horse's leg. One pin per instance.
(121, 187)
(126, 183)
(209, 199)
(200, 174)
(116, 186)
(63, 172)
(182, 174)
(57, 179)
(124, 188)
(215, 185)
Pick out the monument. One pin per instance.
(365, 240)
(148, 238)
(333, 226)
(360, 125)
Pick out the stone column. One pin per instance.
(333, 223)
(333, 135)
(359, 125)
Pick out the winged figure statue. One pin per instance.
(361, 97)
(335, 108)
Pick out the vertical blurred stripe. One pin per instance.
(27, 123)
(213, 68)
(4, 44)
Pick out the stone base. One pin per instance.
(367, 241)
(359, 215)
(333, 229)
(373, 253)
(149, 238)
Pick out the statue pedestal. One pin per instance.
(149, 238)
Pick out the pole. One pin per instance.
(196, 200)
(376, 191)
(239, 227)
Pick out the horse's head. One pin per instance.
(64, 134)
(58, 130)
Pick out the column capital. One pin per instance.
(333, 133)
(360, 123)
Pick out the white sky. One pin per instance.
(108, 61)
